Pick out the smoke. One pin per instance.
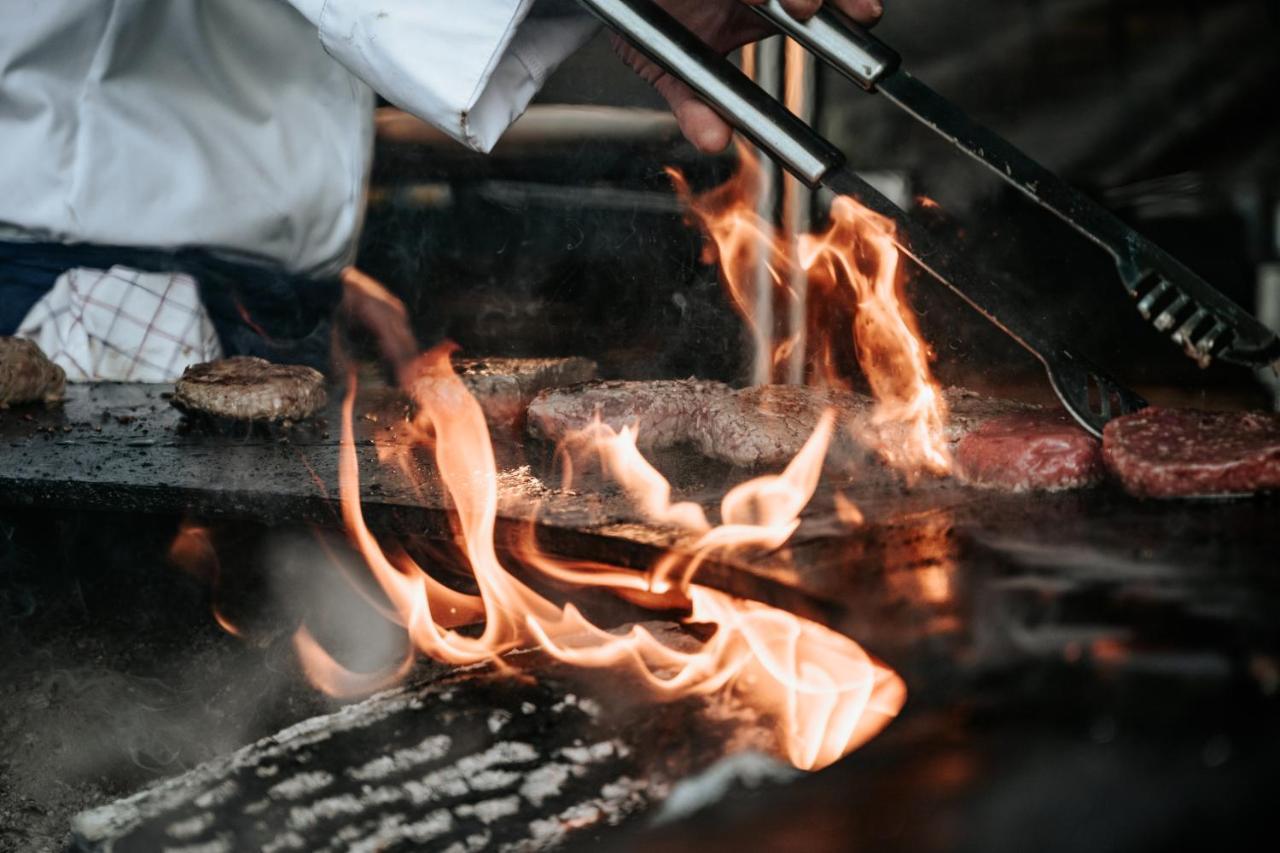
(115, 669)
(325, 585)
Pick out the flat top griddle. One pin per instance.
(901, 578)
(1080, 666)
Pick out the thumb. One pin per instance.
(699, 123)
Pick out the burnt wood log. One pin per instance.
(482, 758)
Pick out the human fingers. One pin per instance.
(866, 12)
(699, 123)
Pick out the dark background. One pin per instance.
(1164, 111)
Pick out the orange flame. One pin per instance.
(848, 512)
(193, 552)
(745, 246)
(857, 256)
(858, 251)
(824, 693)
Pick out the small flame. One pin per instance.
(248, 320)
(848, 512)
(824, 693)
(193, 552)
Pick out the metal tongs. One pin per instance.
(1204, 322)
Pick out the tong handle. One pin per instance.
(837, 40)
(742, 103)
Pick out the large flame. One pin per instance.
(858, 258)
(824, 693)
(859, 251)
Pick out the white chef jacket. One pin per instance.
(244, 125)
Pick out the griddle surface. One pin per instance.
(915, 571)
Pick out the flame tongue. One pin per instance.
(823, 693)
(857, 255)
(858, 251)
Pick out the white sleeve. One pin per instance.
(469, 67)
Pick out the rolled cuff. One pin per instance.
(469, 72)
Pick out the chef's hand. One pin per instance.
(369, 305)
(725, 25)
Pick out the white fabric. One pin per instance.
(229, 124)
(470, 67)
(122, 325)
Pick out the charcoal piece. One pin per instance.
(479, 759)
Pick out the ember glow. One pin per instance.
(857, 257)
(824, 694)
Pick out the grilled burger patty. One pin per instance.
(753, 427)
(26, 375)
(1001, 444)
(505, 387)
(661, 411)
(245, 388)
(1028, 452)
(968, 410)
(1169, 453)
(767, 425)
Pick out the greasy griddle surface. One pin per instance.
(122, 447)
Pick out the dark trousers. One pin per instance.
(257, 309)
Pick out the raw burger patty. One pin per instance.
(767, 425)
(505, 387)
(662, 411)
(1169, 453)
(26, 376)
(250, 389)
(1029, 451)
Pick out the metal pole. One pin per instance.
(797, 208)
(767, 62)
